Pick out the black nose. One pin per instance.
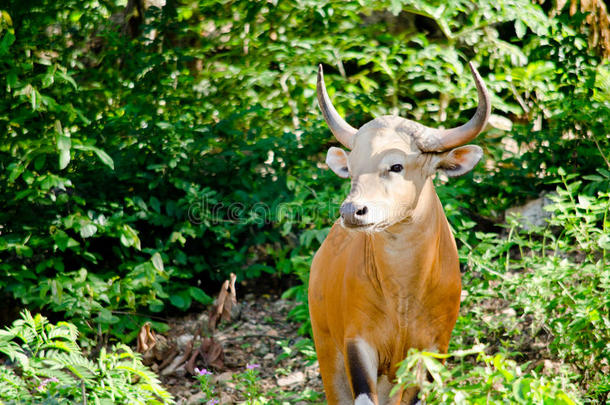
(352, 213)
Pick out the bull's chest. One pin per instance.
(394, 330)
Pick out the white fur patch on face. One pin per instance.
(377, 212)
(363, 399)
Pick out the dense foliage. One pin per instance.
(47, 366)
(489, 379)
(546, 288)
(148, 152)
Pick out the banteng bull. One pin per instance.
(387, 277)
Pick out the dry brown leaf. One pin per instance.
(227, 298)
(146, 339)
(190, 365)
(213, 353)
(230, 299)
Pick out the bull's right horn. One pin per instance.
(343, 131)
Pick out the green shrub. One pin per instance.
(44, 364)
(554, 279)
(488, 379)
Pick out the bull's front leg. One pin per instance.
(361, 364)
(332, 369)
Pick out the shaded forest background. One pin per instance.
(151, 148)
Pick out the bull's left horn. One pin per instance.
(343, 131)
(439, 140)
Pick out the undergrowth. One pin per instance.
(540, 293)
(478, 378)
(42, 363)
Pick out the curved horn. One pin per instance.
(343, 131)
(439, 140)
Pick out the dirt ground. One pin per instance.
(257, 333)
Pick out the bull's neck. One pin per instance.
(407, 250)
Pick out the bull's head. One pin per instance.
(391, 159)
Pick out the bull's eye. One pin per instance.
(396, 168)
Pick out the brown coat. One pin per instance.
(395, 289)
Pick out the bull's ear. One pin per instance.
(336, 159)
(460, 160)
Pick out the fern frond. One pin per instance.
(35, 324)
(51, 351)
(13, 351)
(149, 384)
(11, 385)
(27, 335)
(39, 324)
(157, 390)
(6, 334)
(77, 364)
(62, 330)
(68, 347)
(64, 377)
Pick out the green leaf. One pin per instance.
(200, 296)
(156, 305)
(67, 78)
(105, 316)
(34, 98)
(521, 390)
(604, 241)
(64, 158)
(12, 80)
(157, 261)
(520, 28)
(159, 326)
(177, 301)
(155, 204)
(39, 162)
(17, 170)
(7, 40)
(63, 241)
(594, 316)
(88, 230)
(75, 15)
(129, 237)
(63, 144)
(103, 156)
(47, 80)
